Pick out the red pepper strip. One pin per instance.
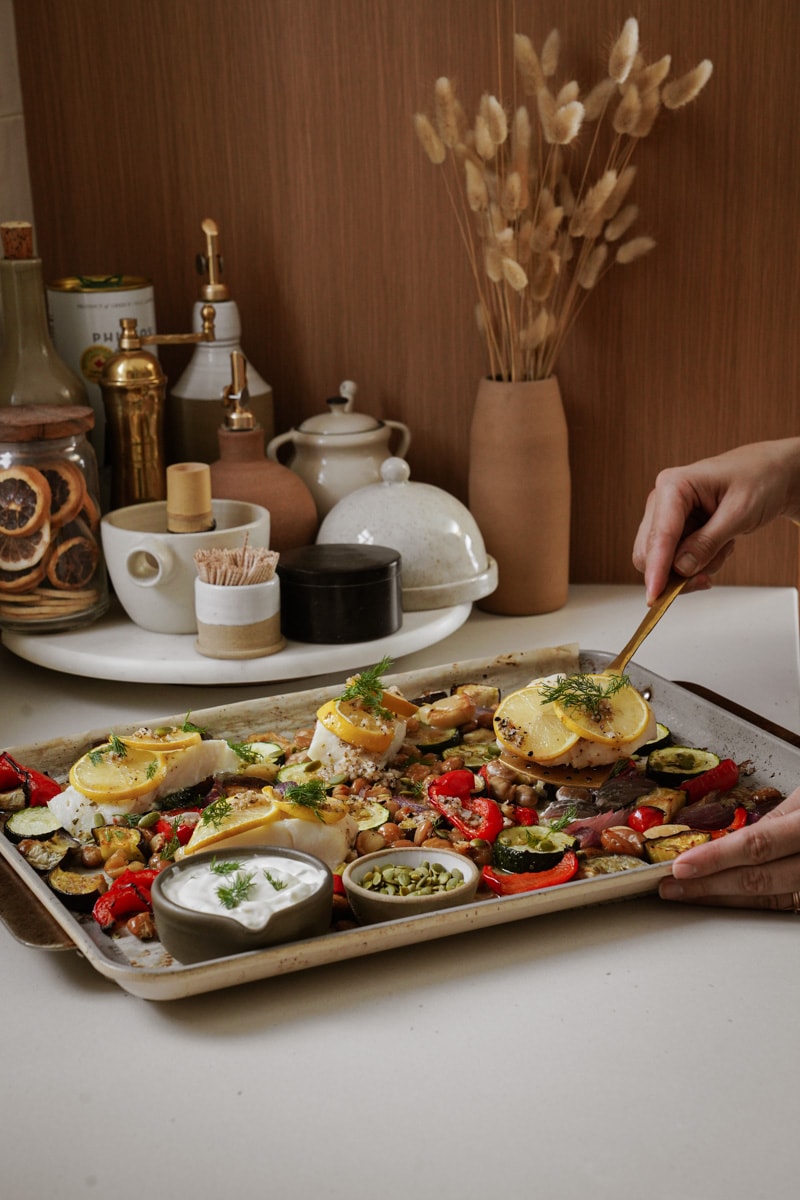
(719, 779)
(525, 816)
(128, 894)
(36, 787)
(739, 820)
(338, 884)
(507, 883)
(645, 817)
(474, 816)
(170, 824)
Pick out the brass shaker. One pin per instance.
(133, 387)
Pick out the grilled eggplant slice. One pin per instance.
(45, 853)
(665, 842)
(77, 889)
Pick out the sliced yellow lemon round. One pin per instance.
(105, 775)
(528, 727)
(240, 819)
(398, 705)
(356, 725)
(165, 739)
(618, 718)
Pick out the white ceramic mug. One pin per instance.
(153, 571)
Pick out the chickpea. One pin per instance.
(91, 856)
(526, 796)
(619, 839)
(117, 864)
(390, 832)
(370, 840)
(142, 925)
(423, 831)
(437, 843)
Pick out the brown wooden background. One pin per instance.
(289, 122)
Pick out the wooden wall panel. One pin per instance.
(289, 121)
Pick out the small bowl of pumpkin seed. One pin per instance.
(391, 884)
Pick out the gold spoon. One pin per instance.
(594, 776)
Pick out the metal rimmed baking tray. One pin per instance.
(146, 970)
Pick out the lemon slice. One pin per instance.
(170, 738)
(621, 718)
(398, 705)
(528, 727)
(356, 725)
(234, 819)
(108, 777)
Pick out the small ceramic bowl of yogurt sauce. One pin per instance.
(230, 901)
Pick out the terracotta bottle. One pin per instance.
(243, 472)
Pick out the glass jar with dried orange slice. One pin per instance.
(52, 575)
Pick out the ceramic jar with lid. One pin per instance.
(341, 450)
(52, 574)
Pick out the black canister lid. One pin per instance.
(338, 563)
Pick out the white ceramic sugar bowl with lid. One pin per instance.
(340, 450)
(443, 559)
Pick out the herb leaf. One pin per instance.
(189, 726)
(229, 867)
(246, 752)
(368, 687)
(278, 884)
(584, 692)
(232, 894)
(310, 794)
(216, 812)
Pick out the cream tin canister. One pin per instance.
(84, 314)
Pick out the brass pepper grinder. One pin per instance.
(243, 472)
(133, 386)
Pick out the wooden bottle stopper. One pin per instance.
(189, 507)
(17, 238)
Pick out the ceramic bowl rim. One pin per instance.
(360, 865)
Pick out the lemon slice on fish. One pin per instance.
(617, 718)
(164, 738)
(357, 725)
(109, 775)
(528, 727)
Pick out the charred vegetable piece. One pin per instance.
(36, 787)
(483, 694)
(672, 765)
(430, 740)
(606, 864)
(530, 848)
(299, 772)
(77, 889)
(32, 822)
(451, 795)
(668, 841)
(720, 778)
(111, 838)
(475, 754)
(513, 883)
(663, 738)
(45, 853)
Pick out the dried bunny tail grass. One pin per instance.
(596, 102)
(545, 275)
(545, 102)
(628, 110)
(528, 65)
(593, 203)
(651, 107)
(551, 51)
(636, 248)
(567, 122)
(497, 221)
(621, 223)
(514, 275)
(569, 92)
(566, 195)
(534, 334)
(495, 116)
(546, 230)
(493, 263)
(688, 87)
(621, 188)
(654, 75)
(624, 51)
(484, 144)
(446, 113)
(521, 152)
(590, 271)
(477, 193)
(511, 195)
(431, 143)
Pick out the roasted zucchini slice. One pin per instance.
(672, 765)
(34, 821)
(663, 738)
(665, 842)
(530, 848)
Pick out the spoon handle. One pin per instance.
(675, 584)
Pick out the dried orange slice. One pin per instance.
(356, 725)
(24, 500)
(73, 563)
(12, 582)
(526, 726)
(66, 489)
(25, 550)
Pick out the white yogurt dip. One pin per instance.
(249, 891)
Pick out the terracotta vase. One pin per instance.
(519, 493)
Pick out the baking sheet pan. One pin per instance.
(146, 970)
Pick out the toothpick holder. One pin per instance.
(238, 620)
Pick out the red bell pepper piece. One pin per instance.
(170, 824)
(508, 883)
(475, 816)
(525, 816)
(36, 787)
(738, 822)
(645, 817)
(719, 779)
(128, 894)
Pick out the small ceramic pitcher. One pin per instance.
(341, 450)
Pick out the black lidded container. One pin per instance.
(340, 593)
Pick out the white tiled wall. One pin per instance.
(15, 189)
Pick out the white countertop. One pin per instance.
(628, 1050)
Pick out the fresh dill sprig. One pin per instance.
(583, 691)
(310, 794)
(566, 818)
(246, 752)
(228, 867)
(232, 894)
(189, 726)
(170, 848)
(112, 746)
(216, 812)
(368, 687)
(278, 884)
(151, 768)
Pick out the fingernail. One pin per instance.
(670, 890)
(683, 870)
(686, 564)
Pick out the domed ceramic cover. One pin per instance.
(443, 556)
